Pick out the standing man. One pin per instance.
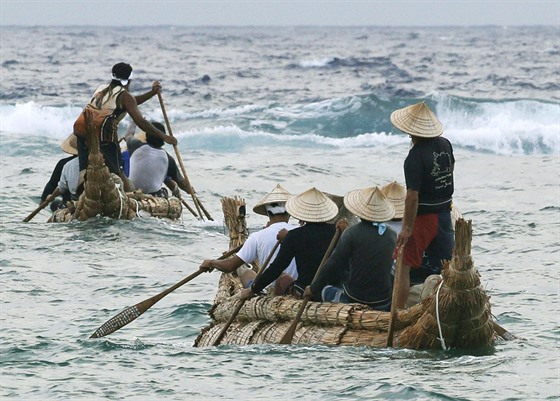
(428, 171)
(109, 105)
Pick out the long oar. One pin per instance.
(506, 335)
(195, 199)
(289, 335)
(242, 302)
(396, 286)
(34, 213)
(132, 312)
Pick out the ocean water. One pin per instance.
(252, 107)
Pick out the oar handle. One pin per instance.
(34, 213)
(396, 286)
(180, 159)
(289, 335)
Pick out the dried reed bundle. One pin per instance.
(234, 219)
(458, 313)
(368, 338)
(170, 208)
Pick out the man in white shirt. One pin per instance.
(259, 244)
(68, 183)
(151, 166)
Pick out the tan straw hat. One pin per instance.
(417, 120)
(70, 145)
(396, 193)
(369, 204)
(277, 195)
(312, 206)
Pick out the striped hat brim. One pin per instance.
(312, 206)
(417, 120)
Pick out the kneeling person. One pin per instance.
(359, 269)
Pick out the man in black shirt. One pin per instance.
(362, 259)
(307, 244)
(428, 171)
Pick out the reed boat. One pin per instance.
(455, 312)
(104, 194)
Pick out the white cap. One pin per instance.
(275, 208)
(123, 81)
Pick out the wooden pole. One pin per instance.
(41, 207)
(196, 201)
(132, 312)
(289, 335)
(396, 286)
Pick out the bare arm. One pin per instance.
(410, 210)
(156, 86)
(131, 106)
(225, 265)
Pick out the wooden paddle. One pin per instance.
(242, 302)
(289, 335)
(196, 201)
(132, 312)
(506, 335)
(41, 207)
(396, 286)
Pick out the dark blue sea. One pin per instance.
(252, 107)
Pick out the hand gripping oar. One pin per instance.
(289, 335)
(132, 312)
(242, 302)
(41, 207)
(195, 199)
(396, 286)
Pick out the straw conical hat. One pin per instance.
(277, 195)
(396, 194)
(369, 204)
(312, 206)
(417, 120)
(70, 144)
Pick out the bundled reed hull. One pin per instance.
(458, 307)
(104, 195)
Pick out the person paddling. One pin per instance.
(259, 244)
(307, 243)
(359, 270)
(109, 104)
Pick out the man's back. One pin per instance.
(148, 168)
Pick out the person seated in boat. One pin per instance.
(151, 166)
(396, 194)
(259, 244)
(69, 146)
(67, 185)
(306, 243)
(109, 105)
(359, 270)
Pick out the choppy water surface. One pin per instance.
(303, 107)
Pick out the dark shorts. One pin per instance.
(431, 242)
(111, 154)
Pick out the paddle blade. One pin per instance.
(118, 321)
